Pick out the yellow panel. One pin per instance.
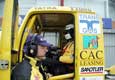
(5, 51)
(89, 47)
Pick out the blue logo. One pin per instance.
(90, 28)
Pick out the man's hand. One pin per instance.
(48, 75)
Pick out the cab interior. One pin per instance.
(51, 26)
(54, 25)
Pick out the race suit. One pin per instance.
(28, 69)
(68, 51)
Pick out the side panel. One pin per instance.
(89, 48)
(8, 24)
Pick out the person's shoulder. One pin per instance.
(24, 63)
(22, 68)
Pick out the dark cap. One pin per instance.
(41, 41)
(35, 39)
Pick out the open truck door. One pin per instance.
(8, 31)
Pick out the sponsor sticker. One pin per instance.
(91, 70)
(89, 24)
(92, 78)
(90, 42)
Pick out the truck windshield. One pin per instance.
(1, 12)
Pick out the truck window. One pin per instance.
(1, 12)
(52, 37)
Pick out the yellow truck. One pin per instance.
(88, 42)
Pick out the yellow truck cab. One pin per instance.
(88, 42)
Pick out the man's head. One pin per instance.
(69, 32)
(36, 46)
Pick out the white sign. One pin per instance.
(89, 24)
(92, 78)
(92, 70)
